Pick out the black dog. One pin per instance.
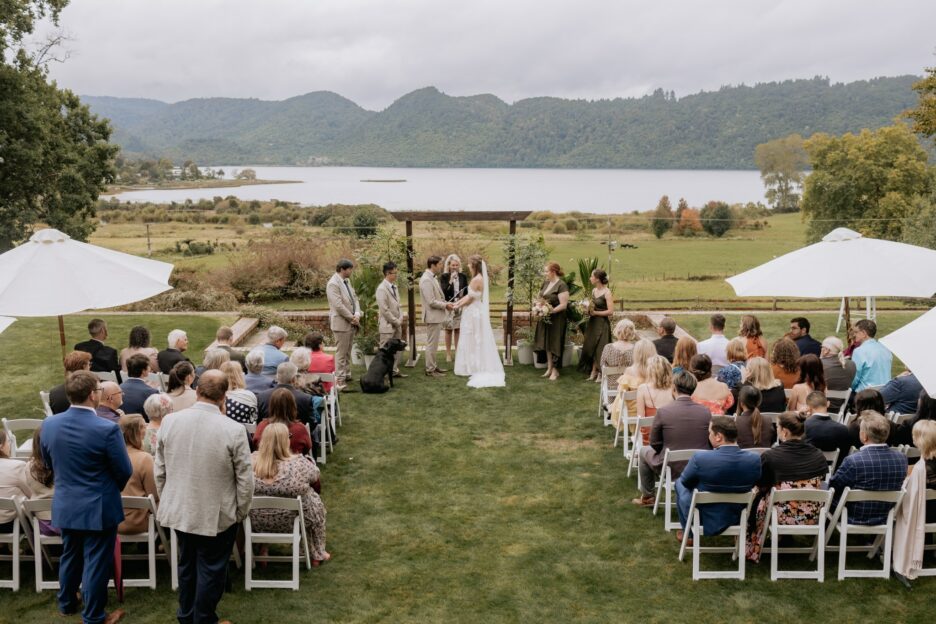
(380, 371)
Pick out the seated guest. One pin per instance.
(759, 374)
(139, 345)
(902, 393)
(715, 347)
(754, 342)
(754, 431)
(823, 432)
(223, 338)
(736, 352)
(783, 359)
(169, 357)
(103, 358)
(811, 378)
(111, 400)
(656, 392)
(686, 349)
(135, 389)
(924, 438)
(709, 392)
(875, 467)
(285, 378)
(143, 479)
(213, 360)
(925, 411)
(157, 407)
(278, 472)
(283, 411)
(272, 355)
(868, 400)
(255, 380)
(302, 358)
(319, 361)
(179, 388)
(74, 361)
(41, 482)
(915, 511)
(792, 465)
(13, 481)
(799, 332)
(681, 425)
(726, 469)
(839, 372)
(240, 404)
(872, 359)
(620, 353)
(666, 343)
(631, 378)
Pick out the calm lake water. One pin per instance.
(558, 190)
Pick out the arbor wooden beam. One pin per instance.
(457, 215)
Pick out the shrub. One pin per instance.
(571, 225)
(559, 228)
(717, 218)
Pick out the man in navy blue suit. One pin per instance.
(135, 389)
(725, 469)
(89, 458)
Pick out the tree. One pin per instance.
(680, 207)
(868, 182)
(924, 115)
(688, 224)
(782, 164)
(365, 223)
(530, 255)
(918, 226)
(717, 218)
(246, 174)
(662, 220)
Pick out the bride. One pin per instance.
(477, 355)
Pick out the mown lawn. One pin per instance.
(500, 505)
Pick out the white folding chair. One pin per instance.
(251, 429)
(148, 537)
(883, 532)
(839, 395)
(928, 528)
(667, 486)
(331, 399)
(297, 538)
(21, 448)
(823, 498)
(758, 450)
(899, 419)
(788, 392)
(738, 531)
(13, 538)
(637, 444)
(622, 426)
(831, 458)
(40, 541)
(155, 379)
(609, 379)
(911, 452)
(106, 375)
(46, 406)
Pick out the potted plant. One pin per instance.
(366, 343)
(524, 346)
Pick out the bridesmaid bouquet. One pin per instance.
(541, 310)
(584, 305)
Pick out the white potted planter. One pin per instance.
(368, 359)
(539, 364)
(567, 354)
(525, 352)
(357, 358)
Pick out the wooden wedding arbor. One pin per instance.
(409, 217)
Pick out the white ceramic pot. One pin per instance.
(357, 358)
(525, 352)
(368, 359)
(567, 354)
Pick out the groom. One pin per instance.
(434, 312)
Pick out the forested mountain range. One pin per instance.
(427, 128)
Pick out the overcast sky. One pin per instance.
(374, 51)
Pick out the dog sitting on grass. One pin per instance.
(379, 376)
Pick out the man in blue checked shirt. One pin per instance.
(872, 359)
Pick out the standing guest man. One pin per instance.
(169, 357)
(272, 354)
(434, 308)
(716, 347)
(872, 359)
(86, 504)
(390, 323)
(223, 338)
(205, 485)
(103, 358)
(255, 379)
(135, 389)
(666, 343)
(110, 402)
(74, 361)
(344, 314)
(799, 332)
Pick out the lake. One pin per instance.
(558, 190)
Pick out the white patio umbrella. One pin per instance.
(844, 264)
(912, 344)
(53, 275)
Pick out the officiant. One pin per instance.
(454, 287)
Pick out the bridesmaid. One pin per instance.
(550, 337)
(598, 329)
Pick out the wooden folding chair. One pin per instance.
(609, 379)
(667, 486)
(46, 405)
(738, 531)
(21, 445)
(296, 538)
(106, 376)
(40, 541)
(622, 426)
(637, 444)
(824, 499)
(928, 529)
(884, 533)
(148, 537)
(839, 395)
(831, 458)
(13, 539)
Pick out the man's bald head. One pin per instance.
(212, 386)
(111, 395)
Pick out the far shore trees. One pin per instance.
(782, 164)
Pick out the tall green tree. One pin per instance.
(924, 115)
(662, 220)
(782, 164)
(868, 182)
(717, 218)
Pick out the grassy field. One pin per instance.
(507, 505)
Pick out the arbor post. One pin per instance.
(508, 346)
(411, 293)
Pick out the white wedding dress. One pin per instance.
(477, 356)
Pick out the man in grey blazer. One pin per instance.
(434, 308)
(205, 484)
(344, 315)
(390, 318)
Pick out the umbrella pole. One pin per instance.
(61, 324)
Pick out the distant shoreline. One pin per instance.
(181, 185)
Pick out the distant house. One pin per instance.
(175, 172)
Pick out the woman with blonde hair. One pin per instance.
(737, 358)
(656, 391)
(280, 473)
(240, 404)
(783, 361)
(758, 373)
(632, 377)
(754, 342)
(454, 283)
(686, 348)
(142, 481)
(620, 353)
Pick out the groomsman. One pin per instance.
(390, 323)
(344, 314)
(434, 312)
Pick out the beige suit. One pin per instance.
(390, 318)
(343, 308)
(434, 314)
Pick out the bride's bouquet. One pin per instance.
(541, 310)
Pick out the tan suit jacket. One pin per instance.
(341, 307)
(433, 299)
(390, 318)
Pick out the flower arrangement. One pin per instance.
(541, 310)
(584, 305)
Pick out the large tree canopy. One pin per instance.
(924, 115)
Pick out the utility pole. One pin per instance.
(149, 246)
